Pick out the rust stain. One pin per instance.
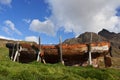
(72, 54)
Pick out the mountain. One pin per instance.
(85, 38)
(110, 35)
(103, 35)
(114, 38)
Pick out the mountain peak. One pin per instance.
(104, 30)
(85, 38)
(114, 38)
(109, 35)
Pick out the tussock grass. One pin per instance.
(38, 71)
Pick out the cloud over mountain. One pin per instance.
(84, 15)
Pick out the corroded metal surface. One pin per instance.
(72, 54)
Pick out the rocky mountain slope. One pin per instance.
(114, 38)
(85, 38)
(103, 35)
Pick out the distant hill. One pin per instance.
(4, 41)
(85, 38)
(114, 38)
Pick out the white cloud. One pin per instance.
(5, 2)
(9, 28)
(31, 38)
(85, 15)
(27, 20)
(8, 38)
(5, 29)
(46, 27)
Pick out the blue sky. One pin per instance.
(49, 19)
(20, 13)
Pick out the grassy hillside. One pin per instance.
(4, 54)
(37, 71)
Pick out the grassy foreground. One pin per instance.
(37, 71)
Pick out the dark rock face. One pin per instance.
(110, 35)
(114, 38)
(85, 38)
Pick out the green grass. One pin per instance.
(4, 53)
(37, 71)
